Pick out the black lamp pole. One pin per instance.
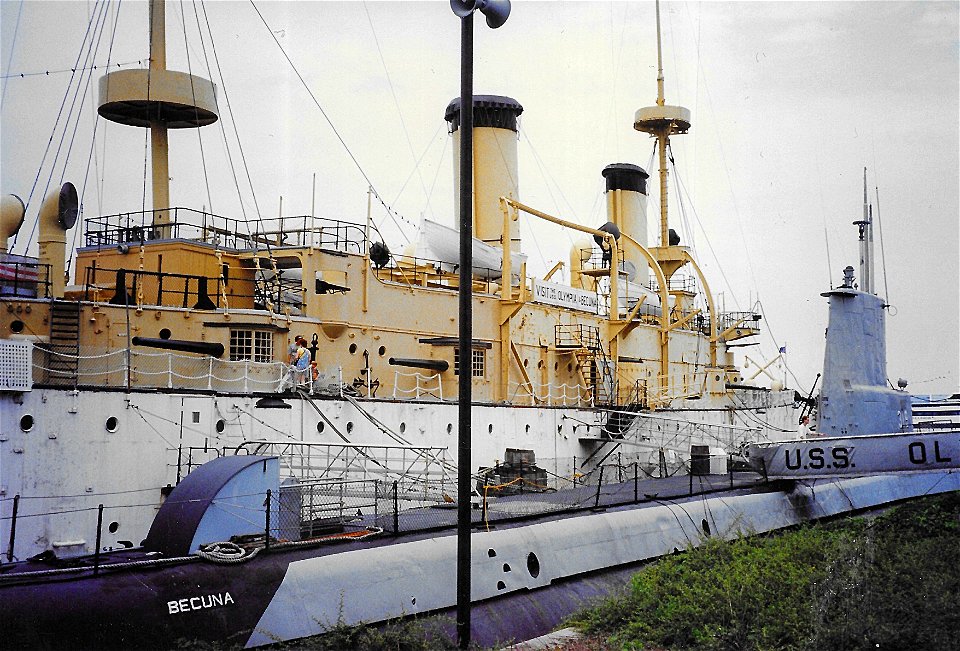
(465, 395)
(496, 12)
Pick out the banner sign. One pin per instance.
(564, 296)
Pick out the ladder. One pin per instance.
(64, 346)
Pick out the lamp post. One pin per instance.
(496, 12)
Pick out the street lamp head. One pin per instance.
(496, 11)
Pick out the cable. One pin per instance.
(196, 109)
(47, 73)
(13, 43)
(53, 132)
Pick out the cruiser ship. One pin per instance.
(170, 344)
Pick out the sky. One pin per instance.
(790, 102)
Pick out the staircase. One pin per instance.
(64, 343)
(584, 342)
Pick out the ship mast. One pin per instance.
(158, 99)
(662, 121)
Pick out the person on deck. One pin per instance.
(301, 361)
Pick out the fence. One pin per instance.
(316, 509)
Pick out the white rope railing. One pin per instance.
(552, 394)
(159, 370)
(419, 390)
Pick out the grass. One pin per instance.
(890, 582)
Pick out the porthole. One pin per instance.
(403, 427)
(490, 428)
(112, 424)
(382, 351)
(449, 427)
(16, 327)
(569, 368)
(491, 553)
(26, 422)
(353, 349)
(533, 565)
(221, 425)
(506, 567)
(349, 427)
(320, 427)
(165, 333)
(540, 364)
(526, 363)
(113, 527)
(527, 428)
(501, 585)
(556, 366)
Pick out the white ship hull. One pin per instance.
(88, 447)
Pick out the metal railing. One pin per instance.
(24, 278)
(414, 467)
(199, 226)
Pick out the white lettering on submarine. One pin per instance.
(185, 605)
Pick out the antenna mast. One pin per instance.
(866, 241)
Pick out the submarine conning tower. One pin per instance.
(494, 163)
(855, 399)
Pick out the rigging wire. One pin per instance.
(396, 101)
(323, 112)
(92, 50)
(223, 128)
(53, 132)
(883, 256)
(233, 121)
(243, 159)
(416, 170)
(13, 44)
(46, 73)
(93, 145)
(196, 110)
(684, 219)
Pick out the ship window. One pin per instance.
(478, 357)
(26, 422)
(253, 345)
(112, 424)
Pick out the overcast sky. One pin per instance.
(790, 101)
